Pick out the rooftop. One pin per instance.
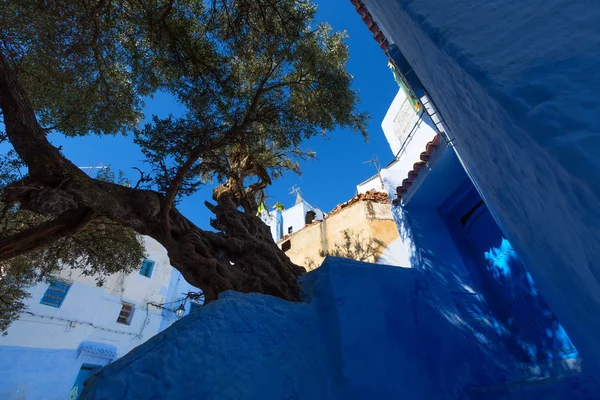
(414, 173)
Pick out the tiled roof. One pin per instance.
(369, 195)
(371, 24)
(412, 174)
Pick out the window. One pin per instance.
(285, 246)
(56, 293)
(147, 268)
(194, 307)
(310, 217)
(290, 230)
(126, 314)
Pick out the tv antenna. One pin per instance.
(377, 164)
(296, 190)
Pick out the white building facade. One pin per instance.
(287, 221)
(72, 327)
(407, 131)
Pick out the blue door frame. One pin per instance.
(85, 372)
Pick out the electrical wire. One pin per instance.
(144, 324)
(79, 322)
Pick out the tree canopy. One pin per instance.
(255, 77)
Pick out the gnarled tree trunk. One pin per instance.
(242, 256)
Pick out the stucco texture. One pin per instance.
(517, 84)
(363, 331)
(37, 374)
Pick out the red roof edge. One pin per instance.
(414, 173)
(371, 24)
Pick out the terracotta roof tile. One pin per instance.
(370, 195)
(371, 24)
(414, 173)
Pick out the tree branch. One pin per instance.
(130, 207)
(25, 133)
(283, 84)
(187, 166)
(66, 224)
(143, 178)
(182, 172)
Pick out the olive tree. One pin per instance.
(255, 77)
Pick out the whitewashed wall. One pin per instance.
(295, 217)
(373, 183)
(399, 121)
(89, 312)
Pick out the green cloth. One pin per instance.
(412, 98)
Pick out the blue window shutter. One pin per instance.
(144, 268)
(147, 267)
(56, 293)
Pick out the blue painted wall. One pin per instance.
(364, 332)
(484, 284)
(434, 251)
(40, 374)
(531, 329)
(517, 84)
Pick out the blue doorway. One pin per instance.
(85, 372)
(529, 327)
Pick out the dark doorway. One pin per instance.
(527, 323)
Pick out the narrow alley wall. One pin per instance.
(517, 85)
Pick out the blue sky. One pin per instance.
(326, 181)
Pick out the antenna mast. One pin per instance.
(377, 164)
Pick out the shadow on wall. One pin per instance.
(363, 331)
(354, 315)
(533, 332)
(353, 246)
(463, 301)
(531, 327)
